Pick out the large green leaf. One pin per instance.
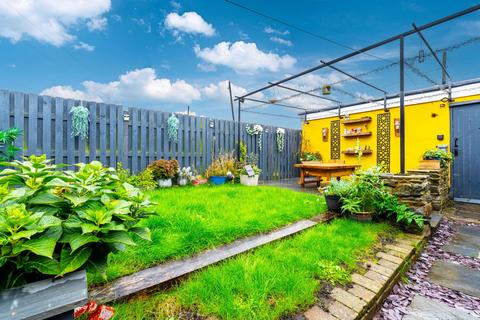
(89, 227)
(44, 265)
(142, 232)
(48, 221)
(70, 262)
(43, 246)
(118, 237)
(82, 239)
(46, 198)
(24, 234)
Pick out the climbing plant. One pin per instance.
(280, 139)
(8, 150)
(256, 130)
(172, 128)
(80, 120)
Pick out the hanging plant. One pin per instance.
(256, 130)
(172, 128)
(80, 120)
(280, 139)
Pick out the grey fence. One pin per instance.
(135, 136)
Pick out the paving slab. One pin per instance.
(466, 241)
(456, 277)
(423, 308)
(315, 313)
(435, 219)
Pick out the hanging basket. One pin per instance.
(326, 89)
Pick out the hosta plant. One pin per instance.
(54, 222)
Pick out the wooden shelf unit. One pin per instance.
(357, 135)
(354, 153)
(359, 120)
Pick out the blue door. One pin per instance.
(465, 145)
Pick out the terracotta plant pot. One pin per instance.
(361, 216)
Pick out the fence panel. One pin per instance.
(136, 136)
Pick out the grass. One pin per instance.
(272, 281)
(192, 219)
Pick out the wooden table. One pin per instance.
(324, 170)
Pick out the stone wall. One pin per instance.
(411, 189)
(439, 186)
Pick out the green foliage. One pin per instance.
(163, 169)
(243, 152)
(197, 218)
(220, 166)
(8, 150)
(310, 156)
(438, 154)
(273, 282)
(172, 128)
(143, 180)
(252, 160)
(80, 121)
(338, 187)
(54, 222)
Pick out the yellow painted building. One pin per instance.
(427, 125)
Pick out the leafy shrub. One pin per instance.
(54, 222)
(143, 180)
(438, 154)
(310, 156)
(252, 160)
(186, 173)
(8, 150)
(163, 169)
(338, 187)
(220, 166)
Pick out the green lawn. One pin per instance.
(192, 219)
(277, 279)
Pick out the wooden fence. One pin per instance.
(135, 136)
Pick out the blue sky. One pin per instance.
(170, 54)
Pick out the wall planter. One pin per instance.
(217, 180)
(334, 203)
(45, 299)
(164, 183)
(249, 181)
(361, 216)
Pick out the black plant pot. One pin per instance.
(334, 203)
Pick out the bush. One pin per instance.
(163, 169)
(54, 222)
(143, 180)
(221, 166)
(438, 154)
(338, 187)
(8, 150)
(310, 156)
(252, 160)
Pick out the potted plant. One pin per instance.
(220, 167)
(185, 176)
(334, 192)
(163, 171)
(306, 156)
(53, 223)
(438, 154)
(252, 180)
(363, 195)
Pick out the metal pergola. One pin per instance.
(330, 64)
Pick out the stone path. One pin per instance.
(444, 283)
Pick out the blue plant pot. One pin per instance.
(218, 179)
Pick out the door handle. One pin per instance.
(455, 147)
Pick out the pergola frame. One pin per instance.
(399, 37)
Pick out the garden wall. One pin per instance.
(136, 136)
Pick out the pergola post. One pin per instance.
(402, 106)
(239, 125)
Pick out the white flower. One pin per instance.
(281, 130)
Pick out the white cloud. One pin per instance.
(244, 57)
(47, 20)
(206, 67)
(219, 91)
(285, 42)
(271, 30)
(83, 46)
(139, 85)
(175, 5)
(97, 24)
(68, 92)
(117, 17)
(362, 96)
(189, 22)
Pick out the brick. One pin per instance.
(366, 282)
(406, 242)
(399, 248)
(370, 274)
(348, 299)
(341, 312)
(389, 257)
(315, 313)
(394, 253)
(408, 246)
(362, 293)
(388, 264)
(381, 269)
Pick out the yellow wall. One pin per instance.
(421, 130)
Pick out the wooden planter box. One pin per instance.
(46, 299)
(429, 164)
